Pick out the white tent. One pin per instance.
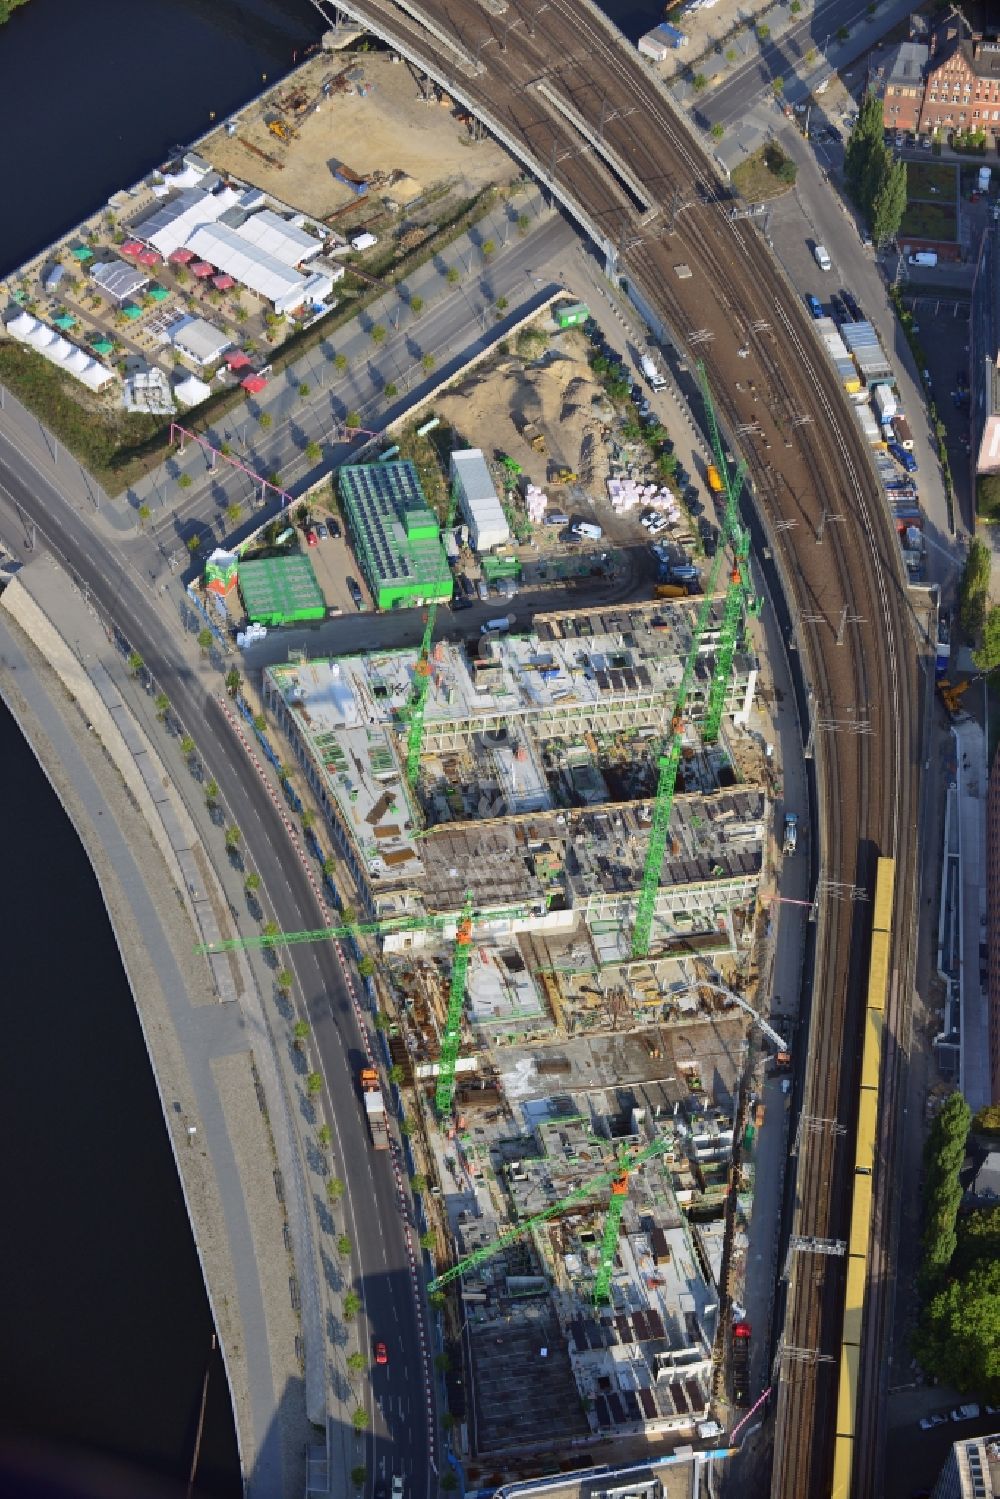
(277, 237)
(170, 226)
(96, 376)
(192, 391)
(22, 325)
(248, 264)
(78, 361)
(61, 350)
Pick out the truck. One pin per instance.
(371, 1091)
(670, 591)
(714, 479)
(985, 173)
(652, 372)
(901, 431)
(884, 401)
(791, 838)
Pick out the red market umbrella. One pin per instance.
(237, 360)
(223, 283)
(254, 384)
(202, 269)
(181, 256)
(132, 247)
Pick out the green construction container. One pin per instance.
(280, 590)
(571, 314)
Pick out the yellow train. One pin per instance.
(859, 1236)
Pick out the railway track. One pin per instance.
(815, 491)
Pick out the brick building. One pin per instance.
(897, 75)
(961, 83)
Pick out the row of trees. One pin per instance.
(978, 620)
(876, 180)
(959, 1331)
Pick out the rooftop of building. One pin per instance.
(655, 1481)
(276, 588)
(901, 66)
(396, 532)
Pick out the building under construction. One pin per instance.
(537, 775)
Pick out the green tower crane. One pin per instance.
(422, 670)
(452, 1038)
(627, 1162)
(732, 533)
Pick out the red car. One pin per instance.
(381, 1353)
(312, 538)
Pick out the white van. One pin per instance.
(496, 626)
(923, 257)
(588, 529)
(822, 258)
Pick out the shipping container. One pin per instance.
(884, 402)
(901, 431)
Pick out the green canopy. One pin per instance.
(102, 345)
(65, 320)
(82, 252)
(131, 311)
(159, 293)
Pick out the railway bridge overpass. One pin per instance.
(556, 83)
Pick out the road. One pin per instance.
(574, 101)
(399, 1437)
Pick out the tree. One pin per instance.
(270, 929)
(978, 1239)
(252, 881)
(406, 1128)
(987, 658)
(416, 305)
(313, 451)
(308, 818)
(778, 84)
(352, 419)
(843, 32)
(187, 746)
(391, 390)
(717, 131)
(233, 512)
(988, 1119)
(185, 481)
(358, 1363)
(265, 420)
(889, 203)
(314, 1084)
(427, 1241)
(359, 1420)
(352, 1304)
(959, 1332)
(233, 681)
(205, 640)
(330, 867)
(418, 1182)
(135, 663)
(144, 513)
(162, 703)
(193, 543)
(343, 1245)
(378, 333)
(304, 389)
(699, 82)
(366, 967)
(449, 1483)
(340, 363)
(259, 722)
(442, 1363)
(763, 32)
(488, 248)
(212, 793)
(396, 1074)
(502, 304)
(447, 1421)
(233, 836)
(944, 1152)
(523, 223)
(300, 1031)
(866, 158)
(325, 1136)
(382, 1021)
(428, 362)
(811, 56)
(285, 773)
(452, 275)
(973, 589)
(335, 1189)
(795, 7)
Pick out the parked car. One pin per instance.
(657, 526)
(459, 601)
(334, 528)
(814, 304)
(465, 584)
(852, 304)
(322, 532)
(928, 1423)
(311, 537)
(866, 240)
(962, 380)
(838, 308)
(357, 597)
(381, 1353)
(834, 134)
(965, 1413)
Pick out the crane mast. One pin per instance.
(422, 670)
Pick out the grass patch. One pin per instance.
(922, 176)
(938, 221)
(119, 448)
(756, 179)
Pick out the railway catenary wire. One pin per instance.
(827, 467)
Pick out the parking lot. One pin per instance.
(943, 324)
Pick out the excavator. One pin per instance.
(952, 694)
